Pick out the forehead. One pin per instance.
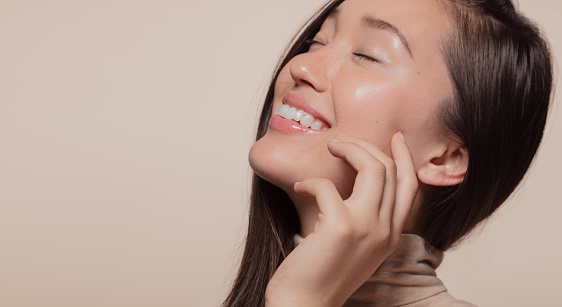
(422, 22)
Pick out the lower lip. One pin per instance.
(290, 126)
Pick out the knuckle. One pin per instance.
(324, 183)
(392, 169)
(388, 164)
(376, 169)
(363, 232)
(343, 230)
(384, 235)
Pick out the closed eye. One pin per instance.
(310, 42)
(366, 57)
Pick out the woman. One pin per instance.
(390, 130)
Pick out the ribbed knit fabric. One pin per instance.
(406, 278)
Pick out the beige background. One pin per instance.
(124, 131)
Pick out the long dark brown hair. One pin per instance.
(501, 69)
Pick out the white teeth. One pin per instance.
(291, 113)
(305, 119)
(283, 110)
(316, 125)
(298, 115)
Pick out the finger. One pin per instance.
(407, 182)
(388, 197)
(327, 196)
(371, 175)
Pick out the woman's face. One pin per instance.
(374, 68)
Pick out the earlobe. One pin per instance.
(445, 169)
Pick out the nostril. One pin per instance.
(304, 82)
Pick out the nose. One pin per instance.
(313, 69)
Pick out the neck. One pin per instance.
(308, 211)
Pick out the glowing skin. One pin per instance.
(400, 91)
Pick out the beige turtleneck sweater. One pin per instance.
(406, 278)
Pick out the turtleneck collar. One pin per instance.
(406, 276)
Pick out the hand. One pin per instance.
(351, 237)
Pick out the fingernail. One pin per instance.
(401, 136)
(297, 184)
(335, 140)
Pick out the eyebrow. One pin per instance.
(380, 24)
(334, 13)
(377, 23)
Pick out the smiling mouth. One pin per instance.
(304, 119)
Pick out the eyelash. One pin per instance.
(310, 42)
(366, 57)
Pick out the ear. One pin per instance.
(446, 166)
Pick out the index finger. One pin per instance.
(407, 181)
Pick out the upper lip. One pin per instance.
(301, 103)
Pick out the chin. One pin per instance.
(284, 162)
(270, 164)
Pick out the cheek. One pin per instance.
(399, 102)
(369, 110)
(284, 82)
(366, 91)
(375, 110)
